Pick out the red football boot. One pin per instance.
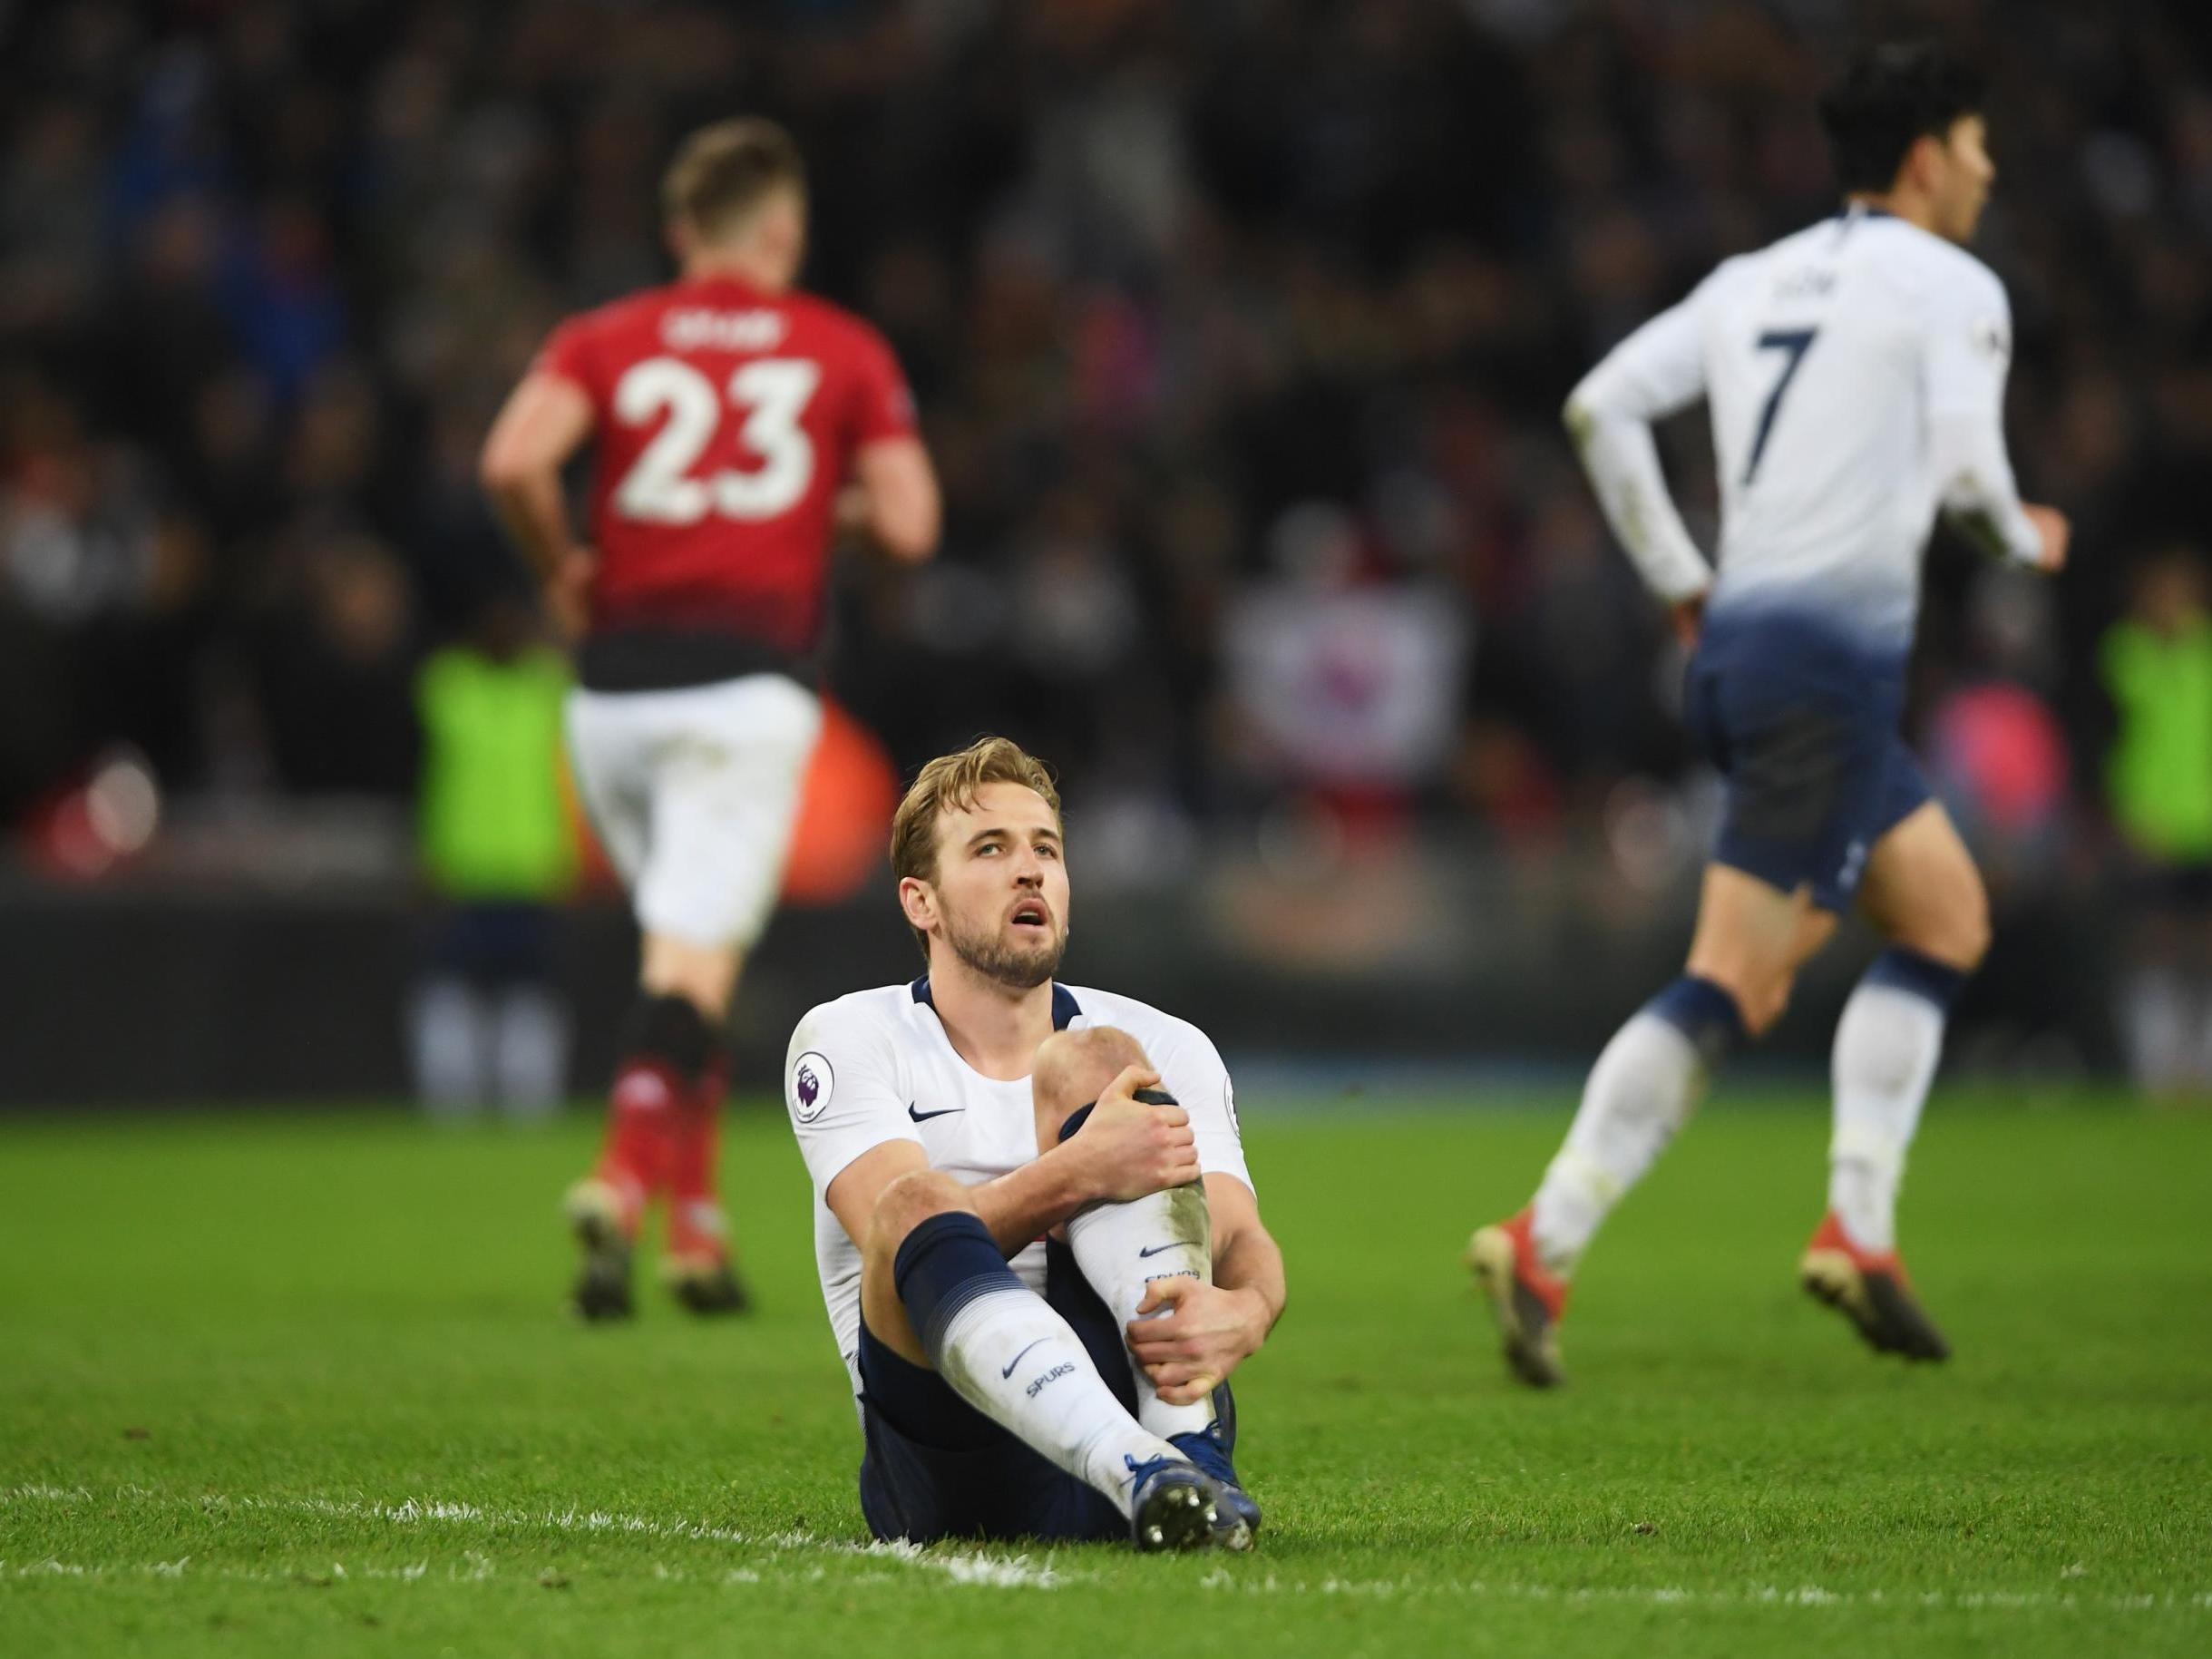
(1869, 1288)
(606, 1207)
(1527, 1299)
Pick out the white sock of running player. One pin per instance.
(2157, 1023)
(2200, 1073)
(1007, 1353)
(1887, 1043)
(1122, 1248)
(446, 1030)
(1643, 1090)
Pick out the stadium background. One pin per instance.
(1239, 331)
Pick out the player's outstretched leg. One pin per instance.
(1753, 937)
(937, 1288)
(724, 795)
(1123, 1248)
(1643, 1090)
(667, 1048)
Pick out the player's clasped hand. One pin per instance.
(1130, 1150)
(1205, 1334)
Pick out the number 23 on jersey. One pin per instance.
(769, 397)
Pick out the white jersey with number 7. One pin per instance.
(1855, 374)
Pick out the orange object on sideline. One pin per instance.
(844, 813)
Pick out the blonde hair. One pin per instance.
(724, 172)
(950, 784)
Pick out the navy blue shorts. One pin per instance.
(936, 1467)
(1803, 723)
(494, 945)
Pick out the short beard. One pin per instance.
(1002, 964)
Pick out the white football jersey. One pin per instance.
(877, 1066)
(1855, 374)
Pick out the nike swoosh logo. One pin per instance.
(1157, 1248)
(1017, 1360)
(925, 1116)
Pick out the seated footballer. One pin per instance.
(1038, 1242)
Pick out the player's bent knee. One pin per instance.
(1075, 1067)
(1975, 932)
(1959, 938)
(1973, 941)
(907, 1203)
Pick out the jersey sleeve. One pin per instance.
(1654, 372)
(882, 405)
(841, 1086)
(1967, 351)
(1191, 1069)
(1968, 345)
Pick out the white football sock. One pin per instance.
(2201, 1074)
(1887, 1043)
(1643, 1090)
(1007, 1353)
(530, 1051)
(447, 1031)
(1121, 1249)
(2156, 1027)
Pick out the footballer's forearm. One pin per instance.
(1023, 1205)
(545, 420)
(1979, 495)
(535, 514)
(1621, 459)
(898, 505)
(1657, 370)
(1250, 1262)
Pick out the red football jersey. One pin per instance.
(725, 422)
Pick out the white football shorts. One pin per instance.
(694, 793)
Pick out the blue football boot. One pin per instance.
(1208, 1449)
(1173, 1504)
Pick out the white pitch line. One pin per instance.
(1753, 1595)
(962, 1568)
(983, 1568)
(473, 1568)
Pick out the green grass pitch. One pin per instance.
(301, 1386)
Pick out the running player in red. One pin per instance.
(737, 425)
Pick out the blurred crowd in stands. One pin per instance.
(1239, 326)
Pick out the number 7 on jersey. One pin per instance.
(1797, 342)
